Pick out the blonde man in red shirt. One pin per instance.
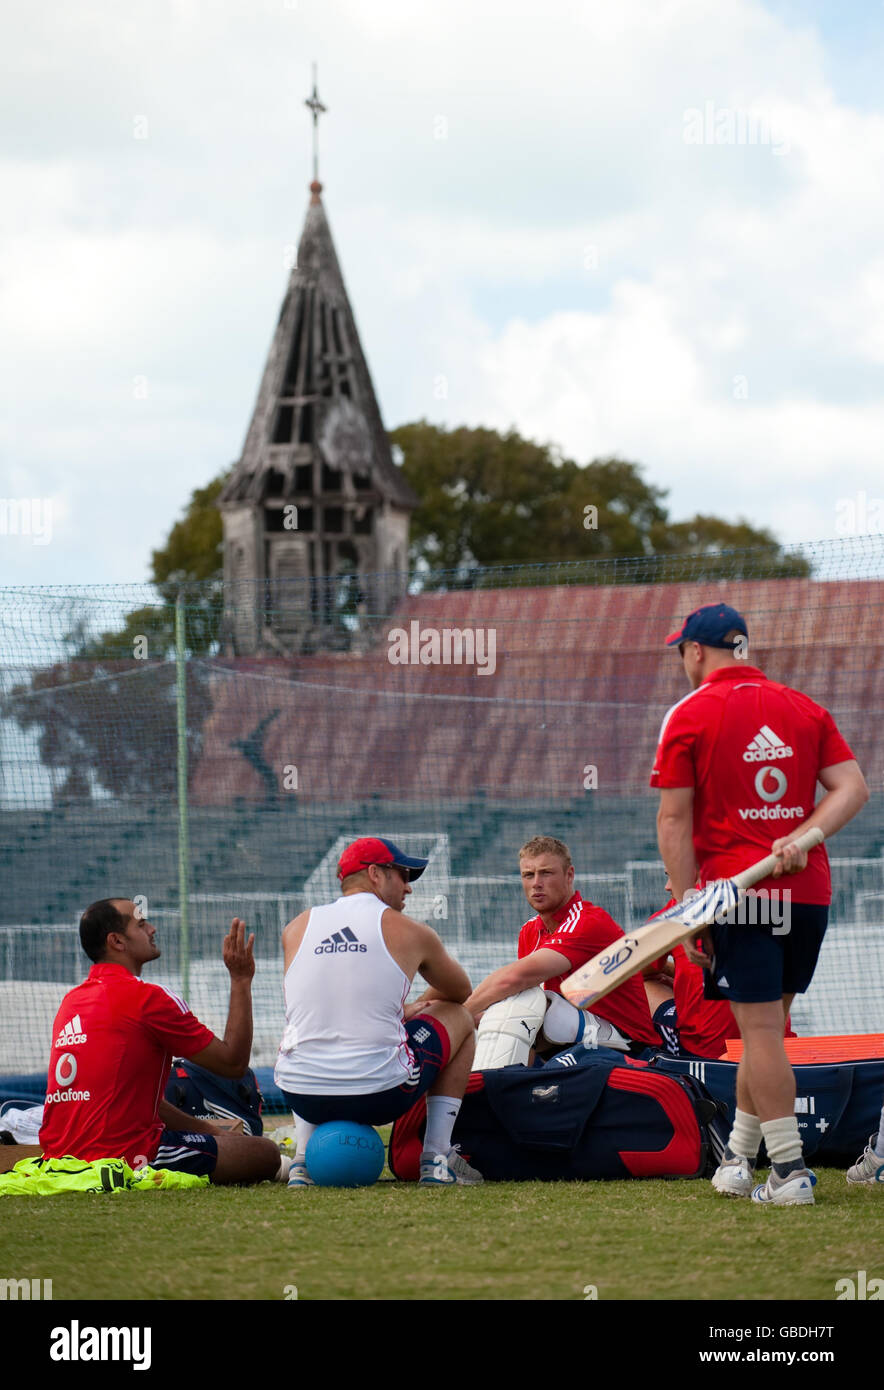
(565, 933)
(738, 761)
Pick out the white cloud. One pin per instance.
(561, 259)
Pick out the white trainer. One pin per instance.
(868, 1170)
(444, 1170)
(794, 1191)
(298, 1175)
(734, 1177)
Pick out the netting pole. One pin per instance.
(183, 838)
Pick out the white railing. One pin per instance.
(477, 917)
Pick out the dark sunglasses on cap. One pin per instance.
(403, 873)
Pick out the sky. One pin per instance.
(650, 230)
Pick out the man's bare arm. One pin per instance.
(541, 965)
(846, 794)
(292, 936)
(445, 976)
(229, 1056)
(176, 1119)
(429, 996)
(675, 838)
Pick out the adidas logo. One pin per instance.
(766, 747)
(345, 940)
(71, 1034)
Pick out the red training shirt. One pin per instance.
(113, 1042)
(581, 931)
(752, 750)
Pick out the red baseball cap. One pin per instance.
(372, 850)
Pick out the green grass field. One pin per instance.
(632, 1240)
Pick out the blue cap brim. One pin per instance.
(409, 862)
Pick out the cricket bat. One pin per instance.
(623, 959)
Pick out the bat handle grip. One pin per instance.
(809, 840)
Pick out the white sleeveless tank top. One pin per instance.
(344, 995)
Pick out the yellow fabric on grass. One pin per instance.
(46, 1177)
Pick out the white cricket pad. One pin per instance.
(23, 1123)
(507, 1030)
(600, 1033)
(563, 1023)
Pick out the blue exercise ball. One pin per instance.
(344, 1154)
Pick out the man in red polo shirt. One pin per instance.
(737, 766)
(565, 933)
(113, 1041)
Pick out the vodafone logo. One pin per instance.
(65, 1069)
(770, 784)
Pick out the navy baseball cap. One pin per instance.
(372, 850)
(710, 626)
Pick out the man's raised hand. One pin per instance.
(238, 952)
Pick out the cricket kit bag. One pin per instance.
(585, 1114)
(838, 1105)
(199, 1092)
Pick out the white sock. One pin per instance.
(442, 1111)
(745, 1137)
(285, 1164)
(782, 1140)
(879, 1142)
(303, 1131)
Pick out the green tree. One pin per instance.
(192, 560)
(105, 712)
(110, 723)
(489, 499)
(730, 550)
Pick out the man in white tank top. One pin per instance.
(352, 1049)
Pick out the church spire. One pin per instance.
(315, 493)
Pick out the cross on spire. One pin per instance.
(317, 108)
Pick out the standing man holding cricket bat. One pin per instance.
(738, 760)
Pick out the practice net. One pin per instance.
(459, 714)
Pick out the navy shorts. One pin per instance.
(187, 1153)
(430, 1044)
(758, 964)
(666, 1023)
